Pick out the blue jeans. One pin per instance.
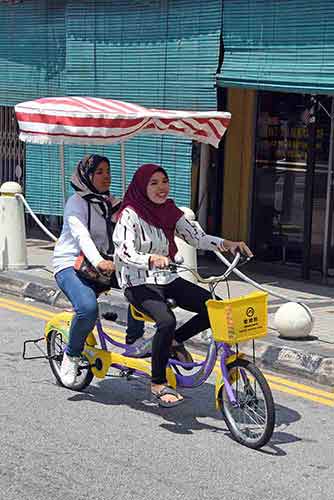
(83, 297)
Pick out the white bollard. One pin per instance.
(13, 250)
(188, 252)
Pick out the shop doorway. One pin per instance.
(286, 145)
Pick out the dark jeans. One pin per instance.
(151, 299)
(83, 297)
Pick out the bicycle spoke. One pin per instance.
(254, 418)
(251, 420)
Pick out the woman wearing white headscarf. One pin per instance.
(89, 219)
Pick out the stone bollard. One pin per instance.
(188, 252)
(13, 249)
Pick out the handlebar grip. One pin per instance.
(178, 260)
(244, 259)
(173, 267)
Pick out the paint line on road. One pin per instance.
(275, 382)
(295, 392)
(43, 314)
(27, 307)
(25, 311)
(300, 387)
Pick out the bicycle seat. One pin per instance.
(139, 315)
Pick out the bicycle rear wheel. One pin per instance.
(55, 348)
(251, 420)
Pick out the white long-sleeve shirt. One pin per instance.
(75, 236)
(135, 241)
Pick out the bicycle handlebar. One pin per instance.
(213, 279)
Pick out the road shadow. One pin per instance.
(285, 417)
(187, 418)
(135, 393)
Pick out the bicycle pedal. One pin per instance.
(110, 316)
(127, 372)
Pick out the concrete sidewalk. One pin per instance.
(312, 358)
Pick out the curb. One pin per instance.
(280, 359)
(288, 360)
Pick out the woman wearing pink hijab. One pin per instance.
(144, 239)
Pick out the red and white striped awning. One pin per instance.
(89, 120)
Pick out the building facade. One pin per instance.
(158, 53)
(268, 62)
(278, 79)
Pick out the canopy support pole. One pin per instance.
(203, 186)
(123, 167)
(62, 172)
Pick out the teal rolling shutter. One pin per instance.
(43, 183)
(32, 50)
(157, 53)
(285, 45)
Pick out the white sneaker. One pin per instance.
(69, 370)
(141, 348)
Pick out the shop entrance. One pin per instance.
(285, 143)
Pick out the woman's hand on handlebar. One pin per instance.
(158, 262)
(106, 267)
(234, 246)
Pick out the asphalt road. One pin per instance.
(109, 442)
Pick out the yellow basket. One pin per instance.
(240, 319)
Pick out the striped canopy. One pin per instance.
(89, 120)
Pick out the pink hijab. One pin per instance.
(163, 216)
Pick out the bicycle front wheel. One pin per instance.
(251, 419)
(55, 348)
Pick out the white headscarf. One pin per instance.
(105, 204)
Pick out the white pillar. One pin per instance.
(13, 250)
(188, 252)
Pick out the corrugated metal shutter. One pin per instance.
(32, 61)
(278, 45)
(157, 53)
(43, 184)
(32, 50)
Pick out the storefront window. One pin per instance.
(282, 138)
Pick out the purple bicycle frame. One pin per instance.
(186, 381)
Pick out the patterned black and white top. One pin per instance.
(135, 240)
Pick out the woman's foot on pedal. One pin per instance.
(69, 370)
(140, 348)
(179, 352)
(165, 396)
(129, 340)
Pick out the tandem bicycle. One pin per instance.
(242, 394)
